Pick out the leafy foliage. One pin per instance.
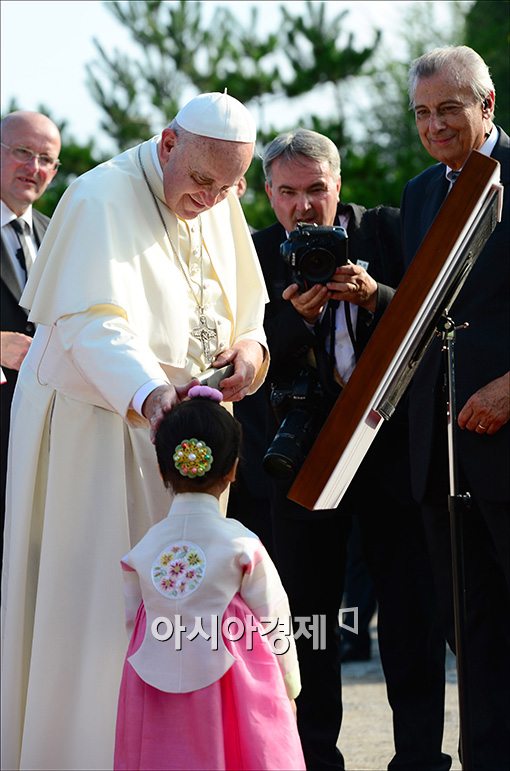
(180, 55)
(391, 152)
(308, 64)
(75, 158)
(488, 32)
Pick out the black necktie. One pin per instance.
(23, 253)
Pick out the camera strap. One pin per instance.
(332, 309)
(331, 372)
(348, 320)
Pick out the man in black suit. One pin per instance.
(248, 499)
(453, 98)
(323, 329)
(30, 147)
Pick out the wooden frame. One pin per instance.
(430, 285)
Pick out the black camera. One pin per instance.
(301, 406)
(314, 252)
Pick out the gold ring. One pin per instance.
(482, 427)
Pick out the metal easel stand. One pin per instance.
(458, 506)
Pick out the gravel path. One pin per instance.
(366, 739)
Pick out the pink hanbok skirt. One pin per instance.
(242, 722)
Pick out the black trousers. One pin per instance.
(358, 593)
(311, 557)
(411, 642)
(485, 530)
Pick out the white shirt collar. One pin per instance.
(486, 149)
(8, 215)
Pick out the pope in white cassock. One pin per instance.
(146, 277)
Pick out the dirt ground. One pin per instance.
(366, 739)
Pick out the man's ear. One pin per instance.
(269, 191)
(167, 142)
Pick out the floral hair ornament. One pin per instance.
(192, 458)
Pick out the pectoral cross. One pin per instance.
(206, 335)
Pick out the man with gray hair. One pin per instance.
(146, 278)
(316, 332)
(453, 98)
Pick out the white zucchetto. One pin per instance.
(218, 116)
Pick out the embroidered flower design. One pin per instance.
(178, 569)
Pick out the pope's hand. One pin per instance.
(247, 357)
(162, 400)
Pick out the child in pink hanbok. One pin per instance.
(211, 670)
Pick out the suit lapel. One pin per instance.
(39, 224)
(9, 276)
(500, 154)
(435, 194)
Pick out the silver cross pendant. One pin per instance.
(206, 335)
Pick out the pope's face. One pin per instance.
(198, 172)
(303, 190)
(450, 121)
(24, 181)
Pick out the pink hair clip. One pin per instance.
(206, 392)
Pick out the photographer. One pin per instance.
(316, 332)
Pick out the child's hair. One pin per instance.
(204, 420)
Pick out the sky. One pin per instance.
(44, 47)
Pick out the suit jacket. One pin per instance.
(375, 238)
(13, 318)
(482, 351)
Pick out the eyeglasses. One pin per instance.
(24, 155)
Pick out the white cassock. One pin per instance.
(114, 311)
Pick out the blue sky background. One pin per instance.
(45, 45)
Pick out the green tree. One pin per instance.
(488, 32)
(76, 158)
(181, 55)
(390, 151)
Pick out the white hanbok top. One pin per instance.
(187, 569)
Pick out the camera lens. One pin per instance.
(288, 449)
(314, 252)
(317, 265)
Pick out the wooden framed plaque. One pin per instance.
(428, 289)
